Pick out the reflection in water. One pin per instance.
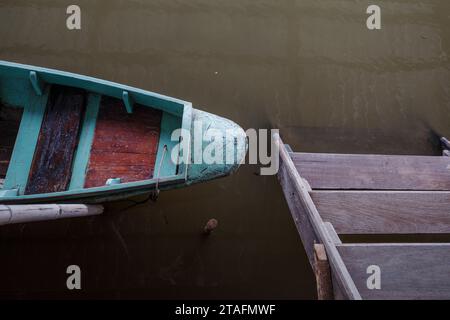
(308, 67)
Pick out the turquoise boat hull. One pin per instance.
(66, 156)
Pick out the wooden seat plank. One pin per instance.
(382, 212)
(373, 172)
(407, 271)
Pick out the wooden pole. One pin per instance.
(10, 214)
(323, 273)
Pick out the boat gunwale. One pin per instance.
(86, 82)
(100, 191)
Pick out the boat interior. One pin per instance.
(62, 133)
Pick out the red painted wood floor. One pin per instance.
(125, 145)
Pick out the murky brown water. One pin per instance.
(308, 67)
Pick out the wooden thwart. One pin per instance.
(373, 172)
(381, 212)
(407, 271)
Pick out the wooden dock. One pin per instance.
(336, 194)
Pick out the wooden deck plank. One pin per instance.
(301, 220)
(58, 138)
(383, 212)
(125, 145)
(373, 172)
(408, 271)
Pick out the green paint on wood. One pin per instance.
(36, 83)
(186, 125)
(17, 90)
(84, 145)
(128, 101)
(8, 193)
(169, 123)
(22, 157)
(233, 145)
(103, 87)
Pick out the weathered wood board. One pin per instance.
(125, 145)
(9, 127)
(408, 271)
(294, 188)
(373, 172)
(382, 212)
(332, 232)
(52, 163)
(304, 226)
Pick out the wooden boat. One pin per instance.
(71, 138)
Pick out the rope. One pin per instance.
(153, 195)
(159, 169)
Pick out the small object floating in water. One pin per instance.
(71, 138)
(210, 226)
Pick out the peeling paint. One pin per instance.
(235, 143)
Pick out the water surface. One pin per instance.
(309, 67)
